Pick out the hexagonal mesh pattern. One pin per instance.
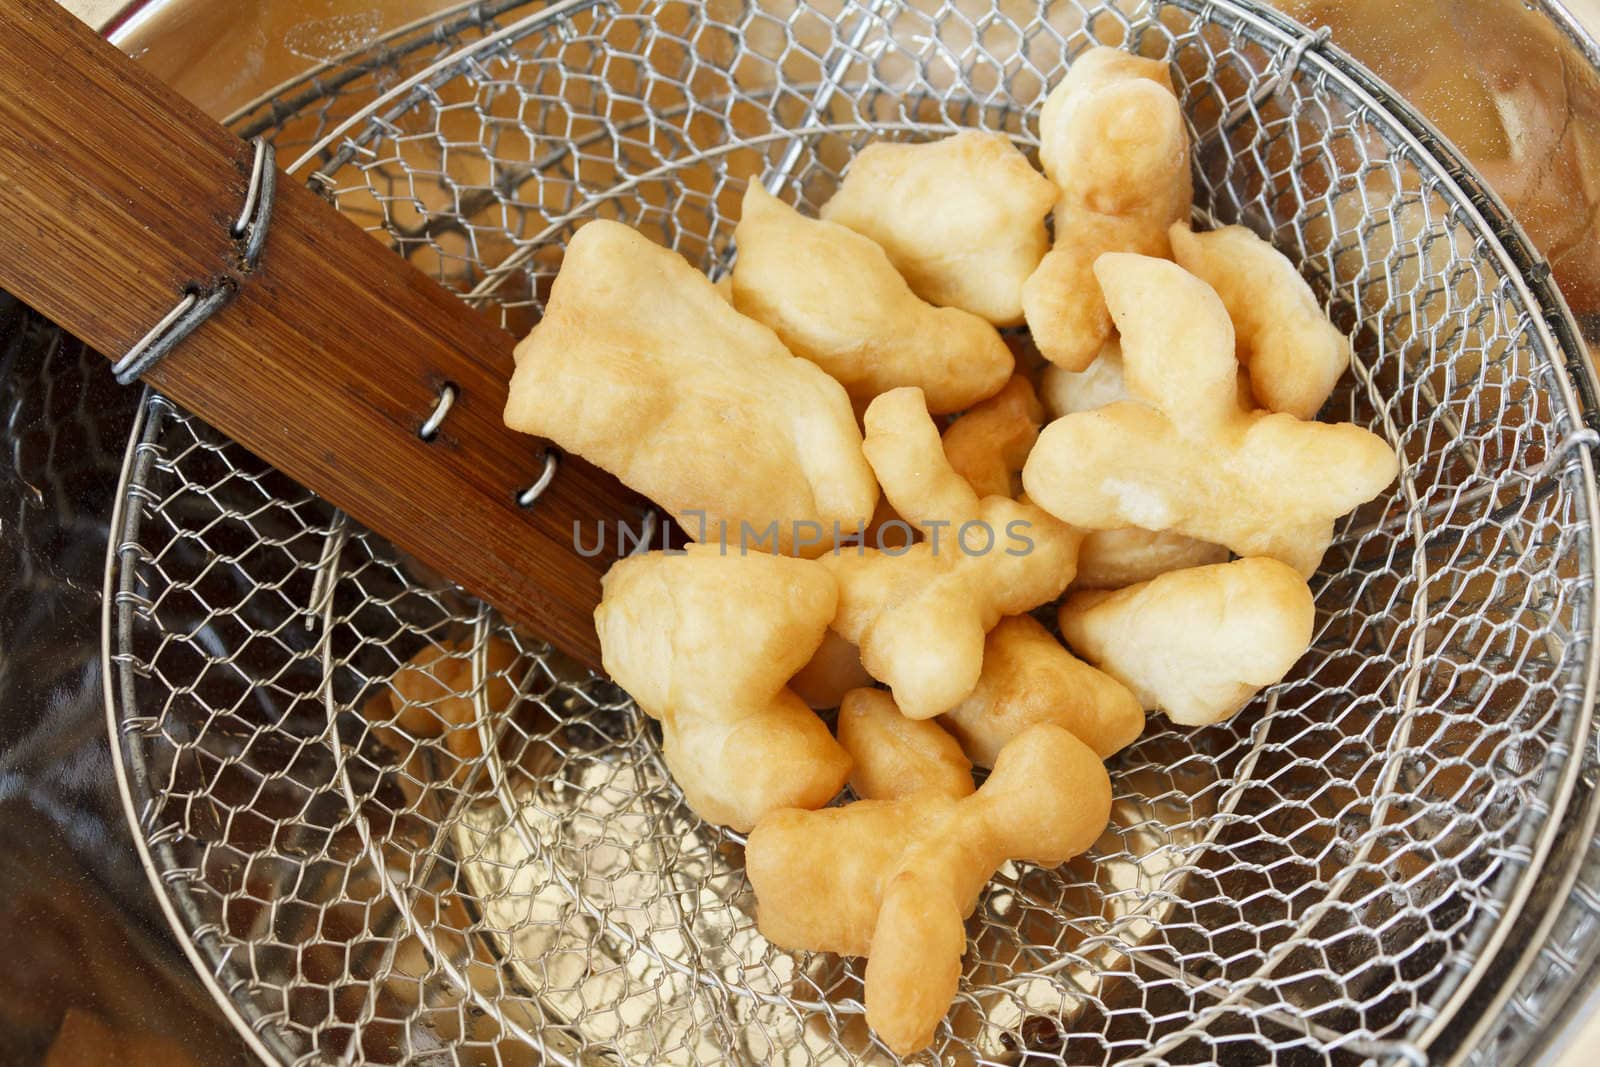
(376, 873)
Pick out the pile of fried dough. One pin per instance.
(1168, 429)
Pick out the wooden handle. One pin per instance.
(116, 193)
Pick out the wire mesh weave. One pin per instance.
(1322, 879)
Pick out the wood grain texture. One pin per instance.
(116, 193)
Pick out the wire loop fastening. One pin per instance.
(526, 498)
(199, 301)
(1263, 92)
(447, 398)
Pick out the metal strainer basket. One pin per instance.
(1324, 879)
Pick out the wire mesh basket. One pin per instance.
(367, 874)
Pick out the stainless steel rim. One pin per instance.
(1550, 327)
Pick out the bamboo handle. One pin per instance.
(116, 193)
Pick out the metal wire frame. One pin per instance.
(1529, 274)
(329, 77)
(1500, 241)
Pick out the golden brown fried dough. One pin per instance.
(1111, 137)
(962, 219)
(989, 443)
(893, 879)
(832, 671)
(919, 615)
(706, 643)
(432, 694)
(904, 448)
(1111, 559)
(1293, 353)
(887, 529)
(893, 756)
(1260, 484)
(834, 298)
(720, 418)
(1029, 678)
(420, 688)
(1100, 383)
(1197, 644)
(733, 771)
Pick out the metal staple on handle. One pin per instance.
(256, 215)
(447, 398)
(527, 497)
(199, 302)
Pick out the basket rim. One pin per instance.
(1576, 381)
